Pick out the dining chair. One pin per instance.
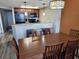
(46, 31)
(75, 33)
(53, 51)
(15, 47)
(70, 49)
(21, 46)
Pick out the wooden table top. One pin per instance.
(28, 47)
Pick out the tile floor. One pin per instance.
(6, 50)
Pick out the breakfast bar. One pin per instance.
(19, 30)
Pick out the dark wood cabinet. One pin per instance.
(30, 15)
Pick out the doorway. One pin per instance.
(7, 20)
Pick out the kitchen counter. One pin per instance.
(19, 30)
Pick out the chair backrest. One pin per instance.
(74, 33)
(34, 33)
(52, 52)
(29, 32)
(35, 36)
(14, 45)
(46, 31)
(70, 49)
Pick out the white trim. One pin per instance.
(13, 16)
(1, 25)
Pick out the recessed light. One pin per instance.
(40, 0)
(44, 3)
(25, 2)
(44, 13)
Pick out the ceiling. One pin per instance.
(18, 3)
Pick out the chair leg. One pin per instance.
(76, 54)
(78, 57)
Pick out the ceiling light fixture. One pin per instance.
(58, 4)
(44, 13)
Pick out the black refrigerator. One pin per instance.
(19, 17)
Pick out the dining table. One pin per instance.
(32, 47)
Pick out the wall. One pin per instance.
(1, 19)
(4, 19)
(70, 16)
(51, 16)
(7, 18)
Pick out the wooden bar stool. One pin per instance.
(35, 37)
(46, 31)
